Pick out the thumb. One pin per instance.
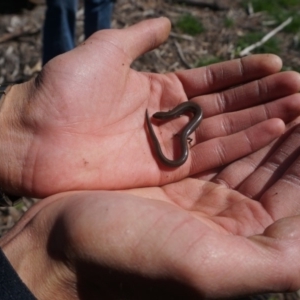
(145, 36)
(137, 39)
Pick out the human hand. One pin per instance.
(81, 123)
(270, 175)
(191, 238)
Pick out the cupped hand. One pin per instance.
(84, 115)
(270, 175)
(186, 240)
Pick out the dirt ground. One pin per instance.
(21, 47)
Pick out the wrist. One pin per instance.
(26, 246)
(17, 249)
(14, 137)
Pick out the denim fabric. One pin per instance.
(97, 15)
(60, 20)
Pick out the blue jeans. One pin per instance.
(60, 21)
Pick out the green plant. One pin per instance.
(19, 205)
(190, 25)
(280, 10)
(207, 61)
(228, 22)
(294, 68)
(294, 26)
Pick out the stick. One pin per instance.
(182, 56)
(250, 8)
(181, 36)
(10, 36)
(247, 50)
(213, 5)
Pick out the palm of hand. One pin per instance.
(192, 231)
(99, 121)
(87, 115)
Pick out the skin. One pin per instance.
(188, 130)
(192, 238)
(68, 128)
(191, 233)
(188, 236)
(272, 172)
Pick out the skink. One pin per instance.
(188, 129)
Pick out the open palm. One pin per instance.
(191, 238)
(86, 114)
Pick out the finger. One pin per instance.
(146, 35)
(221, 151)
(282, 198)
(251, 174)
(266, 263)
(287, 109)
(139, 38)
(276, 182)
(256, 92)
(170, 243)
(233, 175)
(224, 75)
(283, 239)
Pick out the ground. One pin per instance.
(224, 27)
(227, 29)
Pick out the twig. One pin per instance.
(157, 54)
(213, 5)
(250, 8)
(181, 36)
(247, 50)
(10, 36)
(181, 55)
